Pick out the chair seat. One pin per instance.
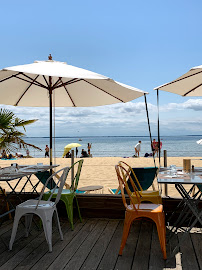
(146, 206)
(64, 191)
(31, 204)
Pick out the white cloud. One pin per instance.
(191, 104)
(118, 119)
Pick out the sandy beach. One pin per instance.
(100, 170)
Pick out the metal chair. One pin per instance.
(140, 210)
(68, 194)
(142, 178)
(44, 209)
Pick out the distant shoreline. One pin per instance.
(117, 136)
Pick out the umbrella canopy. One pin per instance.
(189, 84)
(69, 146)
(30, 85)
(199, 141)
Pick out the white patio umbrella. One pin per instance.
(189, 84)
(34, 84)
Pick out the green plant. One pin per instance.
(10, 137)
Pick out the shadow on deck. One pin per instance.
(94, 244)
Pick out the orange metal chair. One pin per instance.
(140, 210)
(145, 195)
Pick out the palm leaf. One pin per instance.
(10, 136)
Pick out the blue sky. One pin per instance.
(140, 43)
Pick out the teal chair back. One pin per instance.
(145, 176)
(43, 176)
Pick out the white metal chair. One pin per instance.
(44, 209)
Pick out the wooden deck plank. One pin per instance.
(188, 254)
(95, 244)
(32, 244)
(174, 262)
(5, 238)
(20, 243)
(73, 246)
(101, 244)
(197, 243)
(143, 247)
(6, 226)
(39, 252)
(110, 257)
(125, 261)
(84, 250)
(49, 258)
(154, 263)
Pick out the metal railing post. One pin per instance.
(165, 166)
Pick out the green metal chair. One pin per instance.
(69, 194)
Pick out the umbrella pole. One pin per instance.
(51, 126)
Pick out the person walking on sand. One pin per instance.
(47, 151)
(77, 152)
(137, 149)
(89, 147)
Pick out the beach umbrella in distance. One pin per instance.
(34, 85)
(189, 84)
(69, 146)
(199, 141)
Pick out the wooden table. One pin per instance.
(88, 189)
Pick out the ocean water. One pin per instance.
(120, 146)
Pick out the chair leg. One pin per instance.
(14, 230)
(126, 229)
(58, 224)
(78, 209)
(47, 226)
(28, 222)
(69, 208)
(160, 224)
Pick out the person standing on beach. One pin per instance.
(27, 152)
(137, 149)
(47, 151)
(158, 149)
(77, 152)
(89, 147)
(154, 145)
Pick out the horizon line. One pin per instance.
(86, 136)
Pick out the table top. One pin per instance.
(90, 188)
(25, 171)
(180, 177)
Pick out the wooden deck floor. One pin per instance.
(94, 244)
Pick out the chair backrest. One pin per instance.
(142, 177)
(123, 178)
(59, 184)
(43, 176)
(77, 173)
